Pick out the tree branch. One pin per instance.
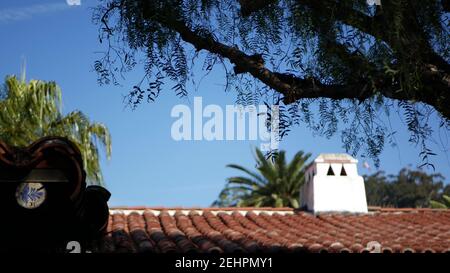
(341, 11)
(294, 88)
(446, 5)
(347, 15)
(250, 6)
(435, 73)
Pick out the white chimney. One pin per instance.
(332, 184)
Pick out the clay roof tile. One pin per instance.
(216, 230)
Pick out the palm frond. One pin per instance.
(445, 204)
(258, 177)
(277, 185)
(32, 110)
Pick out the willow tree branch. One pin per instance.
(293, 88)
(338, 9)
(250, 6)
(435, 72)
(446, 5)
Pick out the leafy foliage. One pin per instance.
(349, 65)
(408, 189)
(275, 184)
(29, 111)
(445, 204)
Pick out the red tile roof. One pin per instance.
(230, 230)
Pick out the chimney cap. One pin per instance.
(335, 158)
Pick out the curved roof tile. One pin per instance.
(233, 230)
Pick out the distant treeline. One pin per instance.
(410, 188)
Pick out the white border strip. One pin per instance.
(199, 211)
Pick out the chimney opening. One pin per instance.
(330, 171)
(343, 172)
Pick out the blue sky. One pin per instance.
(59, 42)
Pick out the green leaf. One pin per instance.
(437, 205)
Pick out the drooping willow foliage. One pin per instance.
(337, 66)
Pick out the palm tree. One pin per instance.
(441, 205)
(29, 111)
(277, 184)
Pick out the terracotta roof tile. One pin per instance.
(234, 230)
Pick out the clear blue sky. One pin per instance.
(147, 167)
